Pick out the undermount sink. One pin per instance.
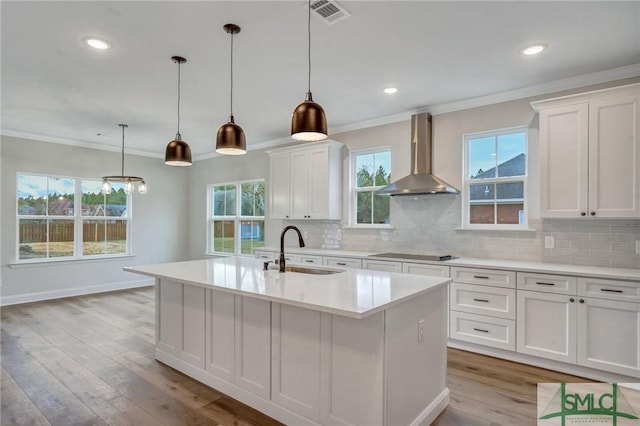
(315, 271)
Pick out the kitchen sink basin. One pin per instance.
(315, 271)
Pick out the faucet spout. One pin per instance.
(281, 261)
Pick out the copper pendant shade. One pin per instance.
(230, 139)
(178, 152)
(309, 122)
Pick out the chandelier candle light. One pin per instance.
(308, 122)
(128, 180)
(230, 139)
(178, 152)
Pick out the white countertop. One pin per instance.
(516, 265)
(355, 293)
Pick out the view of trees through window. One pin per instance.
(49, 218)
(372, 171)
(236, 228)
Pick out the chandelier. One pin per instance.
(128, 180)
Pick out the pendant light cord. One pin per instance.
(231, 95)
(309, 47)
(122, 154)
(178, 132)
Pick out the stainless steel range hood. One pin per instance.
(420, 181)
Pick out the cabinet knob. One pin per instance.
(583, 214)
(572, 300)
(593, 213)
(581, 300)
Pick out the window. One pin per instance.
(495, 180)
(370, 171)
(236, 227)
(51, 225)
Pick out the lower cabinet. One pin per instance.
(382, 265)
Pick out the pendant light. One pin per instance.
(309, 122)
(230, 139)
(178, 152)
(128, 180)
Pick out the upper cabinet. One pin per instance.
(590, 154)
(306, 181)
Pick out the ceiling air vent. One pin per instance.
(329, 11)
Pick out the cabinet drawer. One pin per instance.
(546, 283)
(307, 258)
(609, 289)
(484, 300)
(343, 261)
(425, 269)
(483, 330)
(382, 265)
(484, 276)
(266, 255)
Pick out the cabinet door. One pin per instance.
(220, 334)
(253, 345)
(614, 157)
(299, 196)
(546, 325)
(279, 186)
(318, 191)
(564, 161)
(608, 334)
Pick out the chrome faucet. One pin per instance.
(300, 241)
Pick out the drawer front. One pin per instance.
(266, 255)
(492, 277)
(609, 289)
(483, 330)
(347, 262)
(316, 260)
(425, 269)
(547, 283)
(484, 300)
(382, 265)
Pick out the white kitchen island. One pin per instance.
(357, 347)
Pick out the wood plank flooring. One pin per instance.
(89, 361)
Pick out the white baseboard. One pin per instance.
(434, 409)
(69, 292)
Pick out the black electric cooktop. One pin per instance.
(433, 257)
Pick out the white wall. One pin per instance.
(159, 226)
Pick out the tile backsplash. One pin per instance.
(430, 224)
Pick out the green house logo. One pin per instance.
(605, 407)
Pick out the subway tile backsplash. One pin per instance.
(430, 224)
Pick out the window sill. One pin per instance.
(44, 263)
(496, 229)
(369, 227)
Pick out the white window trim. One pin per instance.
(237, 218)
(353, 222)
(466, 182)
(78, 220)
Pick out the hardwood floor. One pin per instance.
(89, 361)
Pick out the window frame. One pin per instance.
(78, 220)
(467, 182)
(354, 190)
(237, 218)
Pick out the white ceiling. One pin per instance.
(56, 88)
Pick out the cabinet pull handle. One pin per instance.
(583, 214)
(593, 213)
(481, 277)
(308, 260)
(572, 300)
(543, 283)
(608, 290)
(480, 329)
(341, 264)
(481, 300)
(581, 300)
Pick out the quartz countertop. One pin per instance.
(355, 293)
(516, 265)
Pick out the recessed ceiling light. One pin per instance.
(96, 43)
(533, 49)
(390, 90)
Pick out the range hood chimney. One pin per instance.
(420, 181)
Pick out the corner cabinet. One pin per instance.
(305, 181)
(590, 154)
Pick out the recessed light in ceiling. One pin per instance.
(97, 43)
(533, 49)
(390, 90)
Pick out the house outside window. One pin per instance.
(235, 217)
(495, 180)
(53, 226)
(370, 171)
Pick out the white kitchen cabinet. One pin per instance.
(348, 262)
(483, 300)
(546, 325)
(253, 345)
(590, 154)
(382, 265)
(306, 182)
(425, 269)
(484, 330)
